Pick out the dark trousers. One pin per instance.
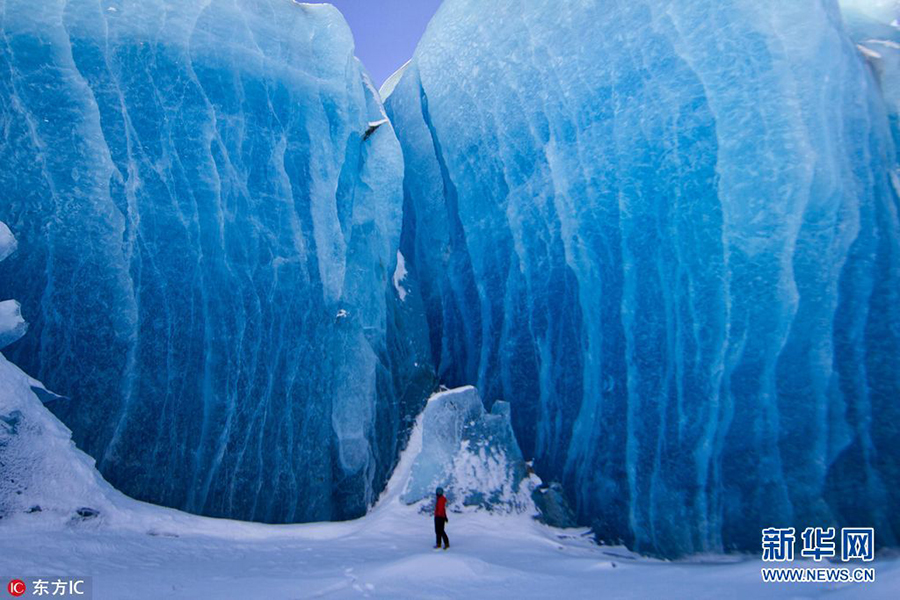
(439, 533)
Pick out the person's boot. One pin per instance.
(437, 546)
(446, 546)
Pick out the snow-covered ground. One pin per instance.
(388, 556)
(135, 550)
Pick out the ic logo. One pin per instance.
(16, 587)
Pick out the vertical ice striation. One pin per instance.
(209, 223)
(667, 233)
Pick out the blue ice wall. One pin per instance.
(666, 232)
(208, 206)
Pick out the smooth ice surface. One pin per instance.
(885, 11)
(136, 551)
(667, 233)
(470, 453)
(208, 225)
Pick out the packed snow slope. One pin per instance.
(136, 551)
(207, 198)
(666, 232)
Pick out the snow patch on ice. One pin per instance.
(399, 275)
(868, 53)
(391, 82)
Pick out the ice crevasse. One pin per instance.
(666, 232)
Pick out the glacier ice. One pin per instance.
(667, 233)
(42, 470)
(880, 11)
(876, 30)
(12, 325)
(7, 241)
(552, 506)
(470, 453)
(198, 191)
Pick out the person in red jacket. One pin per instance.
(440, 519)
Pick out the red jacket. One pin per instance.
(440, 507)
